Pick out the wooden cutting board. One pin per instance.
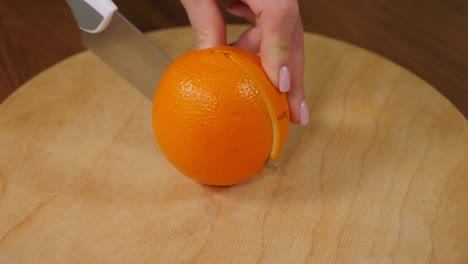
(379, 176)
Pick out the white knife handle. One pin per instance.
(93, 16)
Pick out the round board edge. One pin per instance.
(153, 35)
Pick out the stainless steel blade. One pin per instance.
(130, 53)
(269, 164)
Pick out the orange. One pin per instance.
(217, 117)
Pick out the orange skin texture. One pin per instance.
(216, 116)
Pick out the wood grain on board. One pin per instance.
(379, 175)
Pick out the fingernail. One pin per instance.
(284, 79)
(303, 114)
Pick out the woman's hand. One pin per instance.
(276, 33)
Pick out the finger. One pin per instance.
(207, 22)
(249, 40)
(240, 9)
(282, 51)
(278, 30)
(298, 109)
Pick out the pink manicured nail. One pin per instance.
(284, 79)
(304, 113)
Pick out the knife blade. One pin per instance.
(122, 46)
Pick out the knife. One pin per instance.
(117, 42)
(122, 46)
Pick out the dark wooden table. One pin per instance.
(428, 37)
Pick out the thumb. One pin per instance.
(207, 22)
